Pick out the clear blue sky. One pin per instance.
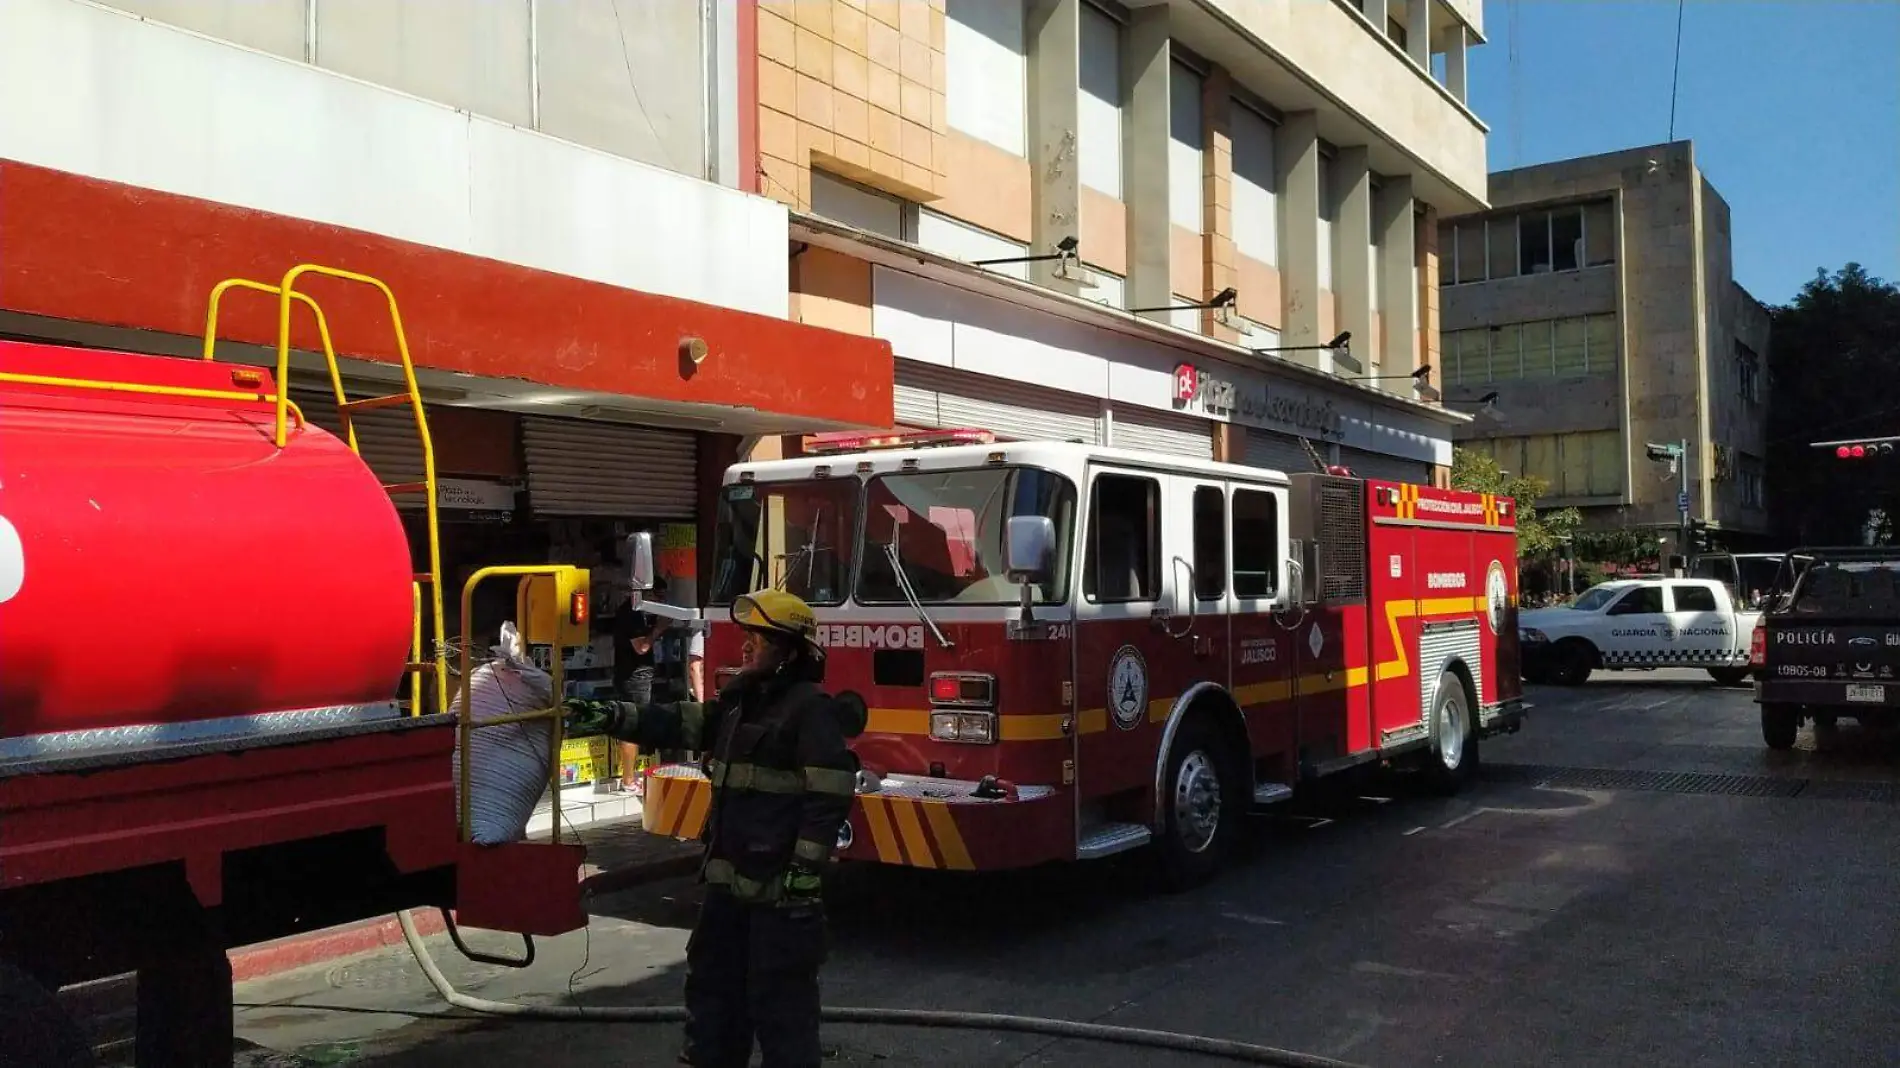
(1794, 107)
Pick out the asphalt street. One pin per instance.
(1636, 880)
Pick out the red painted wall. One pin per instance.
(79, 248)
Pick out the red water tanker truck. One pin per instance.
(225, 691)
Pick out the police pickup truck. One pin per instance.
(1639, 624)
(1831, 646)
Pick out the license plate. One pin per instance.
(1866, 693)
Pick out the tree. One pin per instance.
(1833, 374)
(1538, 534)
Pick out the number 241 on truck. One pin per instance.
(1067, 651)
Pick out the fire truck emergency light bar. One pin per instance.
(827, 444)
(1858, 448)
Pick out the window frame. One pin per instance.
(1676, 589)
(1276, 560)
(1220, 531)
(1091, 527)
(1630, 596)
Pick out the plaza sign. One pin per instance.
(1256, 403)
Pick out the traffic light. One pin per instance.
(1862, 450)
(1699, 536)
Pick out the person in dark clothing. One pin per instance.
(635, 635)
(782, 786)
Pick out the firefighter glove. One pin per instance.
(589, 717)
(802, 884)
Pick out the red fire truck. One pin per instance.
(1068, 651)
(207, 611)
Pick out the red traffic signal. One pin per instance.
(1859, 450)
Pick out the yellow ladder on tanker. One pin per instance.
(424, 662)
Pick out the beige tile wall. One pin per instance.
(853, 87)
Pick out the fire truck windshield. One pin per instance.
(794, 535)
(948, 529)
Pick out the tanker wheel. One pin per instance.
(37, 1032)
(1779, 724)
(1453, 758)
(1199, 807)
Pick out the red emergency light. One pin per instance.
(826, 444)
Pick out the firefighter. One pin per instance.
(782, 783)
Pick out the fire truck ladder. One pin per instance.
(424, 661)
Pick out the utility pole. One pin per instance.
(1676, 455)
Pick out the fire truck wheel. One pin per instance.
(1571, 663)
(1454, 751)
(1200, 808)
(1779, 724)
(38, 1031)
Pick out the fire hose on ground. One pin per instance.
(1227, 1049)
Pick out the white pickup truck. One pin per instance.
(1639, 624)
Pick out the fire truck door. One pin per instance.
(1128, 669)
(1201, 593)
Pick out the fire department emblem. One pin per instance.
(1497, 596)
(1128, 687)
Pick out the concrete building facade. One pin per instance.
(1596, 300)
(1295, 155)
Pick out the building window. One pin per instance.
(1106, 290)
(1533, 242)
(1210, 543)
(1124, 532)
(1574, 347)
(1099, 107)
(1256, 200)
(1395, 30)
(847, 202)
(1589, 464)
(1749, 473)
(1748, 373)
(1184, 147)
(986, 74)
(1182, 317)
(957, 239)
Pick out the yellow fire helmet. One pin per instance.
(776, 610)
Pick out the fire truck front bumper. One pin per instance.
(909, 820)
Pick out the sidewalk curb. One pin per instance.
(267, 959)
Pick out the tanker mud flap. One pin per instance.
(532, 889)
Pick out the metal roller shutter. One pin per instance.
(931, 396)
(1165, 432)
(385, 437)
(1278, 452)
(608, 469)
(1381, 465)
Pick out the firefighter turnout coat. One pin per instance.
(782, 777)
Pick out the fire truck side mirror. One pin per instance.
(1301, 557)
(640, 561)
(1032, 546)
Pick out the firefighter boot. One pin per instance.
(787, 949)
(718, 1029)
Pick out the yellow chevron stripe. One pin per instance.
(915, 844)
(882, 836)
(950, 840)
(699, 799)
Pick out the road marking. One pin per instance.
(1413, 831)
(1318, 822)
(1449, 824)
(1369, 967)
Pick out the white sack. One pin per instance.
(508, 764)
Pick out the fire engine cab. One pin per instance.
(1067, 651)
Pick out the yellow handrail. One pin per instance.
(287, 292)
(282, 397)
(465, 710)
(151, 390)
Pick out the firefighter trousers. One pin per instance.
(752, 972)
